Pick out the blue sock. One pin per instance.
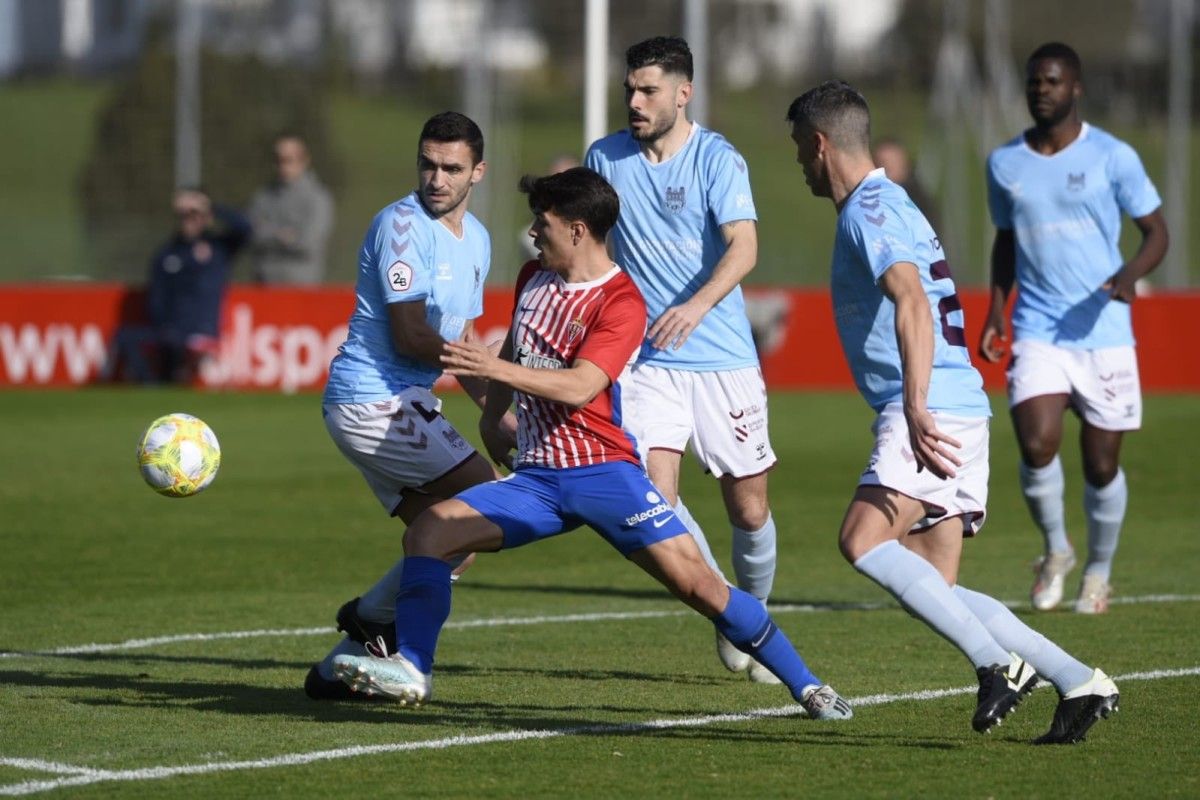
(746, 624)
(422, 606)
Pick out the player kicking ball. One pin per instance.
(578, 321)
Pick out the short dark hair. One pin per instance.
(575, 194)
(669, 53)
(836, 109)
(1059, 52)
(451, 126)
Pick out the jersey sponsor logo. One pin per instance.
(399, 277)
(675, 199)
(443, 272)
(1076, 183)
(742, 200)
(650, 514)
(527, 358)
(658, 523)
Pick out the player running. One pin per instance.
(1056, 194)
(687, 236)
(925, 486)
(420, 284)
(578, 322)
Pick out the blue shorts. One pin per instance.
(616, 499)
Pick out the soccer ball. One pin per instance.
(178, 455)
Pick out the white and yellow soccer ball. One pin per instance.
(178, 455)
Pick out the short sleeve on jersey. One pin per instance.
(618, 334)
(729, 185)
(999, 200)
(403, 254)
(877, 233)
(1134, 190)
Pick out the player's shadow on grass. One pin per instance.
(134, 658)
(656, 593)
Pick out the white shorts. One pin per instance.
(892, 465)
(398, 444)
(723, 414)
(1103, 384)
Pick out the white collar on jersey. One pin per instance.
(1083, 132)
(669, 159)
(603, 279)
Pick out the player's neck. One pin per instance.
(1054, 138)
(586, 267)
(453, 219)
(845, 174)
(669, 143)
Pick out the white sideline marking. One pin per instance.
(493, 622)
(89, 776)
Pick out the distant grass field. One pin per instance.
(565, 671)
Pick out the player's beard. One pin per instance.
(659, 127)
(439, 207)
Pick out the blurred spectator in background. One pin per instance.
(292, 216)
(891, 154)
(186, 289)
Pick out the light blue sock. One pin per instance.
(754, 559)
(921, 589)
(689, 522)
(1105, 510)
(422, 607)
(746, 624)
(1051, 661)
(1043, 489)
(346, 646)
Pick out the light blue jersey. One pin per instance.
(668, 238)
(1065, 213)
(880, 226)
(407, 256)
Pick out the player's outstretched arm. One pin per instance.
(575, 385)
(993, 342)
(914, 336)
(676, 324)
(1155, 240)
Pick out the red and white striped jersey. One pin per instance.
(554, 323)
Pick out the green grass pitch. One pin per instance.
(590, 681)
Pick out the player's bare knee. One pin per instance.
(749, 516)
(1100, 474)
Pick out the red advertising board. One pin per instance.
(282, 339)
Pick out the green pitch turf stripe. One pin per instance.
(87, 776)
(138, 644)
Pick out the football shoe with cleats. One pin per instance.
(822, 702)
(1094, 592)
(1001, 689)
(1051, 570)
(1081, 708)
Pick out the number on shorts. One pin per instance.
(426, 414)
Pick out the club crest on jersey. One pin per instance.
(1076, 183)
(674, 199)
(477, 278)
(574, 330)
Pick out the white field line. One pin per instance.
(86, 776)
(494, 622)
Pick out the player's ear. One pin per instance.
(683, 95)
(477, 172)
